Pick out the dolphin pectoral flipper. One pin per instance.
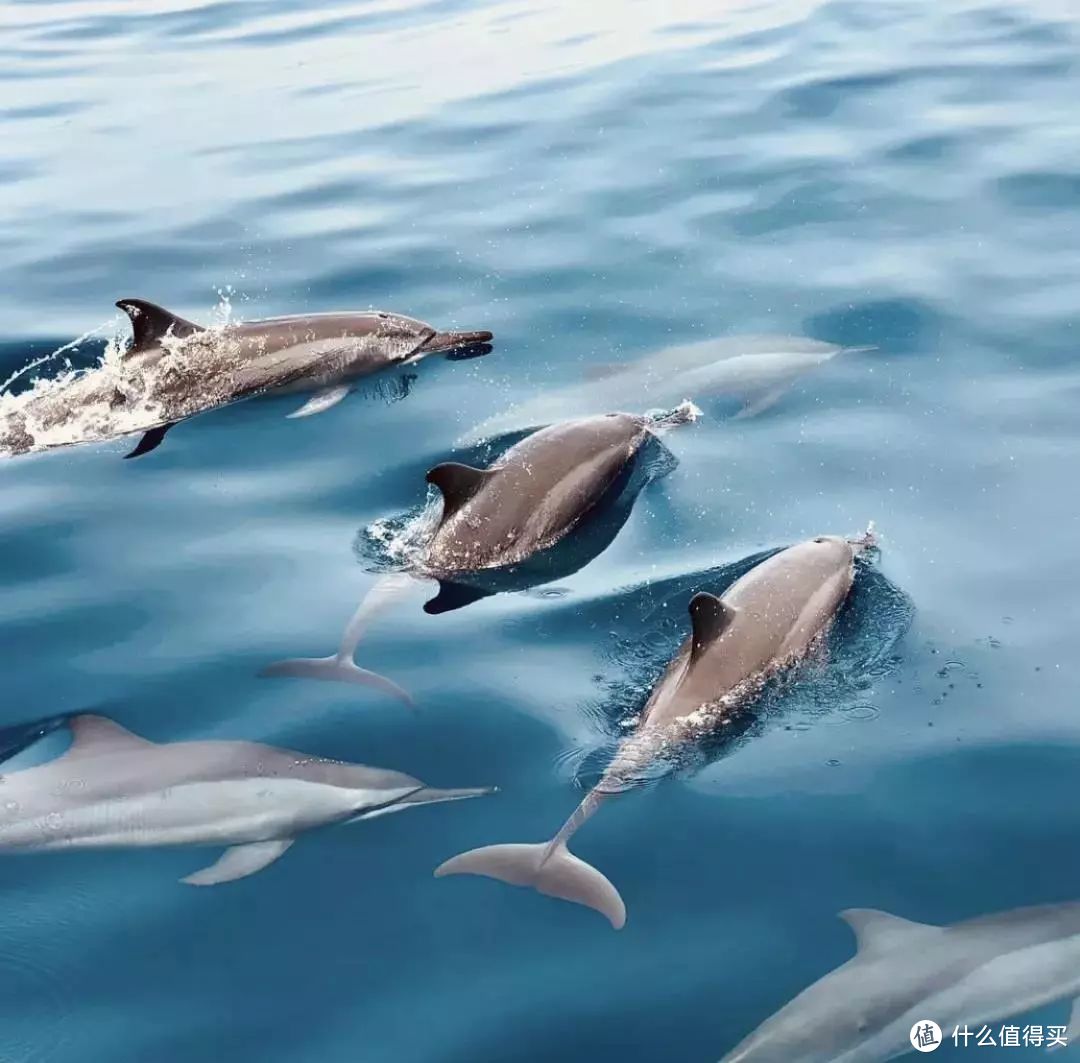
(322, 400)
(604, 370)
(239, 861)
(150, 324)
(549, 869)
(151, 440)
(1073, 1029)
(762, 401)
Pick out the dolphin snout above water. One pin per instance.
(175, 369)
(448, 341)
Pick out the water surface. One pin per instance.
(590, 183)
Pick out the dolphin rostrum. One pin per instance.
(175, 369)
(756, 370)
(113, 789)
(531, 498)
(766, 621)
(960, 976)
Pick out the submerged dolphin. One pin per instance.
(757, 370)
(965, 975)
(175, 369)
(530, 499)
(112, 789)
(766, 621)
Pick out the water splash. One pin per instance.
(74, 345)
(118, 395)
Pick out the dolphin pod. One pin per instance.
(526, 502)
(113, 789)
(975, 972)
(766, 621)
(174, 369)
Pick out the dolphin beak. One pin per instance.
(459, 344)
(428, 795)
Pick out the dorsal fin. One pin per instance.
(877, 932)
(603, 370)
(458, 483)
(709, 617)
(96, 735)
(151, 323)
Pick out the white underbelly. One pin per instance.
(202, 813)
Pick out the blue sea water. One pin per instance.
(590, 182)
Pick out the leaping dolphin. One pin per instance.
(767, 620)
(904, 973)
(112, 789)
(175, 369)
(527, 501)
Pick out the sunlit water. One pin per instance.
(590, 182)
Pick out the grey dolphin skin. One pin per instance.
(757, 370)
(965, 975)
(766, 621)
(528, 500)
(536, 493)
(175, 369)
(113, 789)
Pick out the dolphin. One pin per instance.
(757, 370)
(766, 621)
(497, 519)
(113, 789)
(960, 976)
(174, 369)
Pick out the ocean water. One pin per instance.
(592, 183)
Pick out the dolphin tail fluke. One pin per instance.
(336, 669)
(549, 869)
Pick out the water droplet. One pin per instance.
(54, 821)
(862, 712)
(11, 806)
